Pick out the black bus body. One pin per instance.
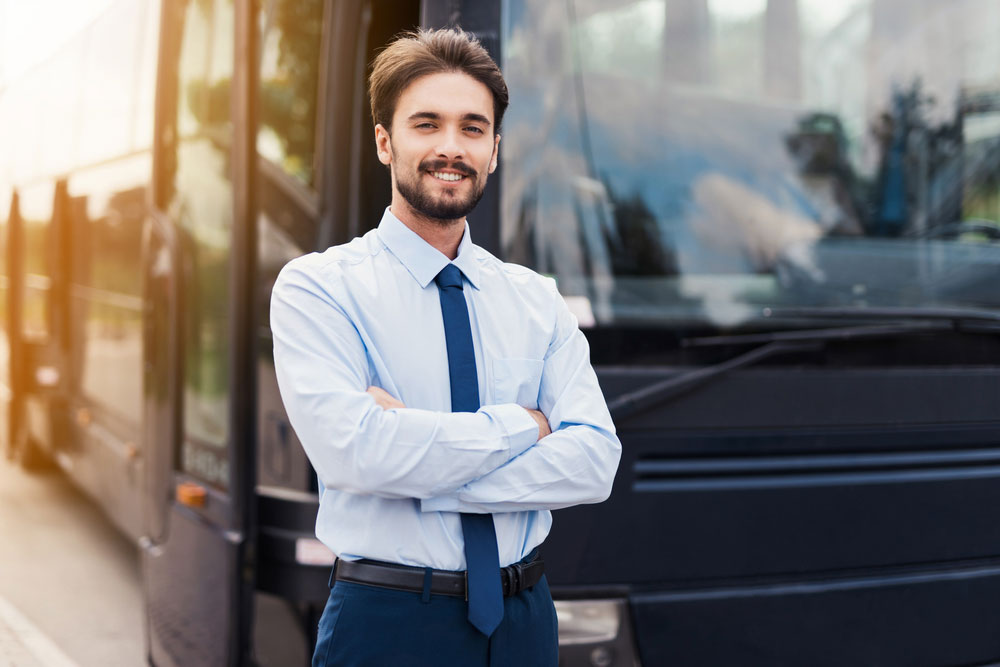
(776, 221)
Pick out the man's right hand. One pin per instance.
(384, 399)
(543, 423)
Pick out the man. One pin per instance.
(445, 399)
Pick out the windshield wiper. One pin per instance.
(936, 313)
(774, 343)
(827, 335)
(642, 399)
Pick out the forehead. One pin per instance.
(447, 94)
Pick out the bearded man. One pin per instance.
(445, 399)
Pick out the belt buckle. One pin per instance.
(513, 580)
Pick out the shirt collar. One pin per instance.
(420, 258)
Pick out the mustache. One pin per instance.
(438, 165)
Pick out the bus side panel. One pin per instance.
(848, 516)
(188, 600)
(793, 478)
(944, 617)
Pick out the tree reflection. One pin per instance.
(288, 93)
(291, 33)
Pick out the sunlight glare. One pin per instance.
(32, 31)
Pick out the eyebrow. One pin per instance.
(432, 115)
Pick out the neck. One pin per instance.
(444, 235)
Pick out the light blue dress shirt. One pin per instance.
(393, 481)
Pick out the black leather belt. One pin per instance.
(513, 578)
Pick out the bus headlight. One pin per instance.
(595, 633)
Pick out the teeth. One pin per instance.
(446, 177)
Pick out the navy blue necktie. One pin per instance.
(481, 556)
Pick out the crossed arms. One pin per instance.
(387, 401)
(500, 458)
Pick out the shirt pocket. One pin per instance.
(517, 381)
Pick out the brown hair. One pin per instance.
(421, 52)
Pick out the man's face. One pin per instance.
(442, 146)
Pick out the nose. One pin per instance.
(450, 145)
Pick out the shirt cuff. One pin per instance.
(520, 432)
(520, 428)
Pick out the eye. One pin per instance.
(425, 126)
(474, 129)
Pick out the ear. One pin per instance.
(383, 144)
(496, 153)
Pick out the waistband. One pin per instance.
(513, 578)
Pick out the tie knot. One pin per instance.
(450, 276)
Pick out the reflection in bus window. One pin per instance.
(201, 204)
(289, 75)
(700, 160)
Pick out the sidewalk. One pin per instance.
(67, 573)
(24, 645)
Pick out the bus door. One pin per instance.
(198, 392)
(299, 43)
(318, 184)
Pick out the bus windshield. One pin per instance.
(693, 162)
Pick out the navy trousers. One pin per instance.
(378, 627)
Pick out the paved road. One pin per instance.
(70, 590)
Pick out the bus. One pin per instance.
(776, 221)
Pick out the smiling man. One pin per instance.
(445, 398)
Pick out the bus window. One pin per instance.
(201, 203)
(107, 111)
(106, 227)
(697, 164)
(287, 97)
(289, 77)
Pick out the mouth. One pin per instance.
(447, 176)
(448, 172)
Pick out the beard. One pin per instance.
(446, 207)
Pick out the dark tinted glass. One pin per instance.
(201, 204)
(701, 161)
